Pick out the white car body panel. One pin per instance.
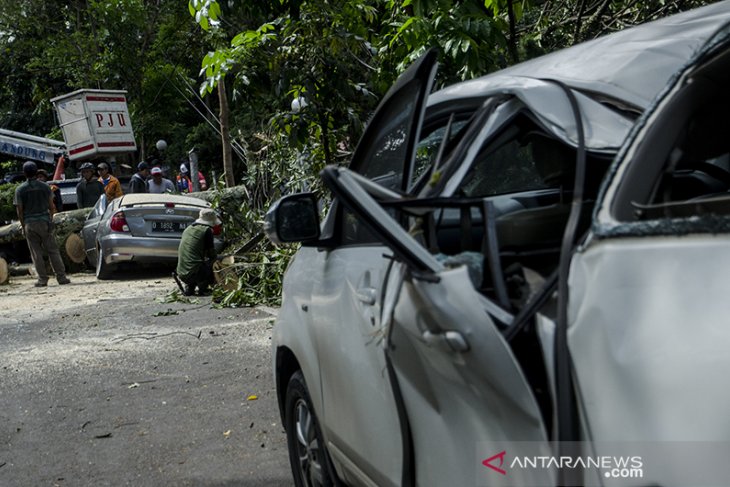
(358, 413)
(454, 396)
(649, 340)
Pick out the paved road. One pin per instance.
(103, 384)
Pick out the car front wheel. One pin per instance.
(307, 452)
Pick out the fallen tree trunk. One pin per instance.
(7, 270)
(229, 200)
(67, 224)
(19, 269)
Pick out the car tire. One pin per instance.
(310, 462)
(103, 270)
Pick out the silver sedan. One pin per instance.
(138, 228)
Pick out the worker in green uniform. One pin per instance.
(34, 204)
(196, 253)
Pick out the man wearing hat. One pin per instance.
(34, 204)
(196, 253)
(89, 189)
(138, 183)
(112, 186)
(158, 184)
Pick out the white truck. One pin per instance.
(94, 123)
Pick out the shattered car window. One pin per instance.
(388, 150)
(428, 148)
(527, 160)
(508, 169)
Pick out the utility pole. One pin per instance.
(225, 135)
(193, 158)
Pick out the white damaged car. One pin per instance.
(522, 279)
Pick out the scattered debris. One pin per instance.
(169, 312)
(227, 433)
(133, 386)
(152, 335)
(175, 296)
(105, 435)
(252, 397)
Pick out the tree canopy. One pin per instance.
(302, 76)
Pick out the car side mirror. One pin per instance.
(294, 218)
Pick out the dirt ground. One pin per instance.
(102, 383)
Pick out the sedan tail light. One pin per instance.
(118, 222)
(217, 229)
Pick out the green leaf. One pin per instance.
(214, 11)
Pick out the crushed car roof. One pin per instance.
(631, 65)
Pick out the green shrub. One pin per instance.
(7, 209)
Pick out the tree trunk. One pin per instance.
(512, 32)
(67, 223)
(229, 203)
(229, 200)
(225, 135)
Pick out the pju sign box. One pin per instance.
(95, 123)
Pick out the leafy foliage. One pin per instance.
(259, 282)
(7, 209)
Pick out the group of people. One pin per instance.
(146, 180)
(36, 202)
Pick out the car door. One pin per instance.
(360, 417)
(91, 226)
(468, 404)
(648, 313)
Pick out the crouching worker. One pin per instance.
(196, 253)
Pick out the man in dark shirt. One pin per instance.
(89, 189)
(34, 204)
(57, 199)
(196, 253)
(138, 183)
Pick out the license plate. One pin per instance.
(168, 227)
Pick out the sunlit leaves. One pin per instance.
(205, 12)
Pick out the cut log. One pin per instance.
(225, 273)
(4, 272)
(74, 247)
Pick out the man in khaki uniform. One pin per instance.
(34, 205)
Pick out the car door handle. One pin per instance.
(448, 341)
(367, 295)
